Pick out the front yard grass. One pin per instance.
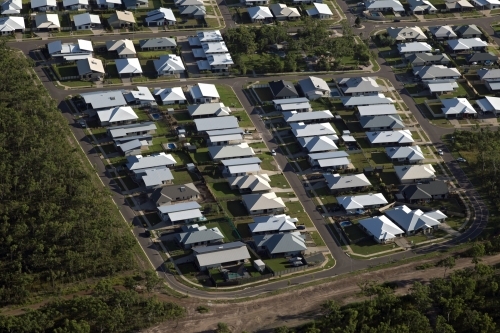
(296, 210)
(175, 250)
(317, 238)
(243, 119)
(277, 264)
(326, 197)
(227, 96)
(268, 162)
(369, 246)
(279, 180)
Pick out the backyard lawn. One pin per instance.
(277, 264)
(227, 96)
(222, 190)
(201, 155)
(226, 229)
(175, 250)
(234, 208)
(295, 210)
(182, 177)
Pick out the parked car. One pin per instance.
(273, 152)
(461, 159)
(301, 227)
(82, 123)
(440, 152)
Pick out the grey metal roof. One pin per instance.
(485, 74)
(337, 182)
(331, 154)
(427, 57)
(412, 153)
(290, 101)
(219, 123)
(377, 110)
(124, 130)
(130, 145)
(170, 193)
(251, 182)
(281, 243)
(157, 42)
(482, 56)
(226, 131)
(147, 137)
(360, 85)
(218, 248)
(305, 130)
(279, 223)
(156, 176)
(219, 254)
(435, 71)
(293, 116)
(160, 14)
(104, 99)
(241, 161)
(411, 220)
(392, 121)
(199, 236)
(209, 109)
(179, 207)
(156, 160)
(319, 143)
(262, 201)
(366, 100)
(313, 83)
(443, 31)
(466, 30)
(220, 152)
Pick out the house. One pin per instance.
(160, 17)
(99, 100)
(133, 147)
(490, 78)
(47, 22)
(204, 93)
(218, 123)
(214, 256)
(90, 69)
(407, 155)
(426, 59)
(353, 101)
(283, 89)
(69, 51)
(154, 177)
(436, 72)
(219, 62)
(300, 104)
(383, 138)
(184, 3)
(205, 37)
(263, 203)
(186, 212)
(160, 43)
(482, 58)
(457, 107)
(320, 10)
(250, 183)
(460, 5)
(208, 110)
(415, 173)
(313, 87)
(359, 86)
(381, 123)
(406, 34)
(264, 225)
(75, 4)
(138, 164)
(87, 21)
(135, 4)
(412, 221)
(210, 48)
(443, 32)
(384, 6)
(11, 24)
(197, 12)
(174, 193)
(282, 12)
(331, 160)
(255, 2)
(121, 19)
(381, 229)
(316, 144)
(467, 44)
(194, 235)
(117, 116)
(124, 48)
(376, 110)
(308, 117)
(433, 190)
(337, 183)
(280, 245)
(109, 4)
(489, 104)
(141, 96)
(414, 47)
(235, 167)
(218, 153)
(468, 31)
(360, 203)
(43, 5)
(11, 7)
(301, 130)
(421, 7)
(128, 67)
(169, 64)
(487, 4)
(169, 96)
(260, 14)
(131, 130)
(225, 137)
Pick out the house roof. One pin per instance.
(424, 191)
(122, 46)
(262, 201)
(421, 5)
(197, 10)
(366, 100)
(411, 220)
(457, 106)
(361, 201)
(156, 176)
(11, 23)
(128, 66)
(221, 152)
(381, 227)
(251, 182)
(86, 18)
(294, 116)
(391, 121)
(280, 243)
(217, 59)
(283, 88)
(214, 47)
(142, 94)
(436, 214)
(209, 36)
(82, 46)
(170, 94)
(88, 65)
(129, 145)
(241, 161)
(226, 137)
(319, 9)
(313, 83)
(333, 162)
(219, 254)
(338, 182)
(319, 143)
(124, 130)
(204, 90)
(488, 103)
(414, 47)
(217, 123)
(414, 172)
(482, 56)
(124, 16)
(158, 42)
(215, 109)
(280, 10)
(276, 223)
(301, 130)
(427, 57)
(43, 3)
(179, 207)
(466, 43)
(10, 7)
(382, 4)
(160, 14)
(246, 168)
(297, 100)
(170, 193)
(377, 110)
(460, 4)
(225, 132)
(359, 85)
(404, 33)
(139, 162)
(299, 105)
(328, 155)
(132, 4)
(470, 29)
(199, 236)
(259, 13)
(144, 139)
(411, 153)
(400, 136)
(121, 113)
(443, 31)
(104, 99)
(435, 72)
(488, 74)
(75, 2)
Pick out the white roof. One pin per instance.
(319, 9)
(251, 182)
(170, 94)
(122, 46)
(128, 66)
(412, 153)
(457, 106)
(226, 253)
(466, 43)
(75, 2)
(359, 85)
(160, 14)
(45, 20)
(43, 3)
(436, 214)
(382, 4)
(302, 130)
(209, 109)
(209, 36)
(361, 201)
(313, 83)
(411, 220)
(443, 31)
(333, 162)
(400, 136)
(10, 7)
(489, 103)
(263, 201)
(294, 116)
(214, 47)
(142, 94)
(104, 99)
(244, 168)
(436, 71)
(139, 162)
(421, 5)
(415, 172)
(338, 182)
(442, 86)
(259, 13)
(414, 47)
(204, 90)
(377, 110)
(381, 228)
(366, 100)
(11, 23)
(156, 176)
(89, 65)
(403, 33)
(218, 123)
(319, 143)
(86, 18)
(122, 113)
(217, 59)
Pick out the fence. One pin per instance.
(288, 270)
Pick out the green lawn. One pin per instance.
(243, 119)
(182, 177)
(279, 180)
(182, 117)
(296, 210)
(222, 190)
(175, 250)
(234, 208)
(68, 70)
(317, 238)
(109, 149)
(293, 148)
(152, 54)
(354, 232)
(417, 238)
(278, 264)
(201, 155)
(181, 157)
(242, 227)
(227, 96)
(264, 94)
(369, 246)
(226, 230)
(268, 162)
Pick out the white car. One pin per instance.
(440, 152)
(273, 152)
(460, 159)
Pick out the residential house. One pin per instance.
(208, 110)
(210, 48)
(482, 58)
(120, 19)
(214, 256)
(194, 235)
(186, 212)
(204, 93)
(135, 4)
(218, 123)
(170, 96)
(260, 14)
(184, 3)
(160, 17)
(219, 153)
(70, 51)
(282, 12)
(301, 130)
(381, 229)
(412, 221)
(243, 166)
(320, 10)
(384, 138)
(90, 69)
(117, 116)
(283, 89)
(489, 104)
(131, 130)
(220, 62)
(225, 137)
(467, 44)
(11, 24)
(250, 183)
(433, 190)
(460, 5)
(308, 117)
(11, 7)
(249, 3)
(490, 78)
(154, 177)
(139, 162)
(75, 4)
(43, 5)
(47, 22)
(100, 100)
(384, 6)
(357, 204)
(316, 144)
(263, 203)
(313, 87)
(359, 86)
(330, 160)
(174, 193)
(281, 245)
(468, 31)
(337, 183)
(87, 21)
(141, 96)
(205, 37)
(443, 32)
(274, 224)
(415, 173)
(457, 108)
(406, 34)
(376, 110)
(109, 4)
(382, 123)
(134, 146)
(169, 64)
(300, 104)
(414, 47)
(436, 72)
(427, 59)
(487, 4)
(160, 43)
(128, 67)
(124, 48)
(421, 7)
(353, 101)
(406, 155)
(197, 12)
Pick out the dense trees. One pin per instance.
(56, 225)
